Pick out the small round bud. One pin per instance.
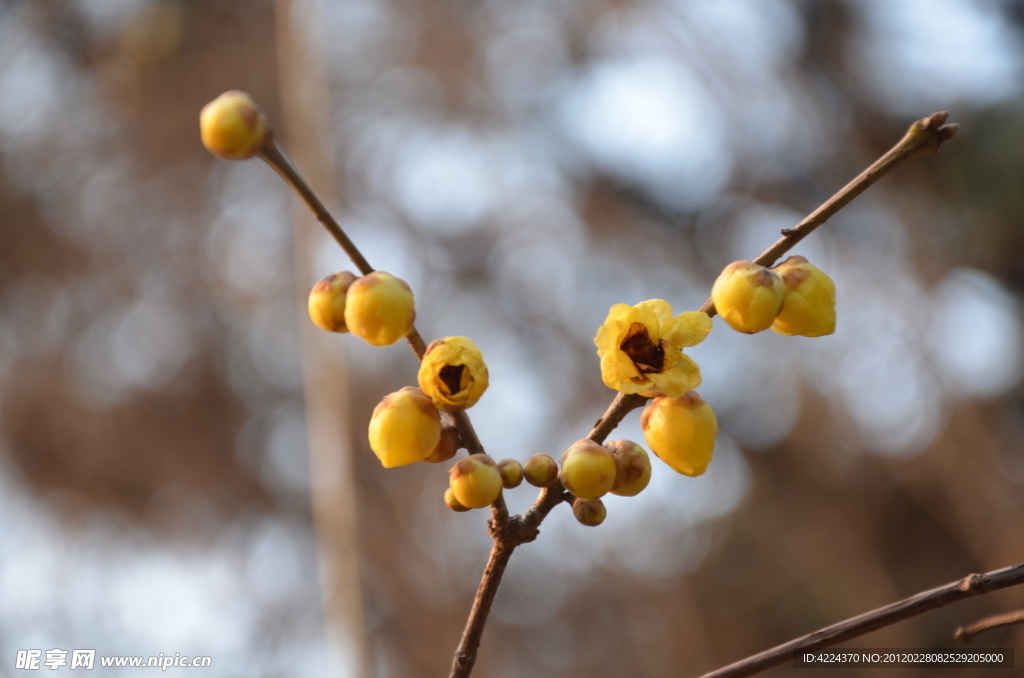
(588, 470)
(379, 308)
(748, 296)
(589, 512)
(327, 301)
(681, 431)
(475, 481)
(633, 467)
(231, 126)
(453, 373)
(405, 428)
(541, 470)
(453, 503)
(810, 307)
(446, 447)
(511, 473)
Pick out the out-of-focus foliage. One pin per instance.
(525, 166)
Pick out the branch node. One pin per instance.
(788, 231)
(975, 582)
(513, 533)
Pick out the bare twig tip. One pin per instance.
(933, 121)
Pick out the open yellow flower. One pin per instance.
(641, 348)
(453, 373)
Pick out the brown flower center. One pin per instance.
(451, 375)
(645, 354)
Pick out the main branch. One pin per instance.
(969, 586)
(924, 137)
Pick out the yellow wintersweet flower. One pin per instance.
(641, 348)
(453, 373)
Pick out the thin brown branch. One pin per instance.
(622, 405)
(969, 586)
(506, 538)
(274, 157)
(965, 634)
(925, 136)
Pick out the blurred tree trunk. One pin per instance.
(305, 135)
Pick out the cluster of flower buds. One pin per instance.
(406, 426)
(794, 298)
(476, 481)
(378, 308)
(589, 471)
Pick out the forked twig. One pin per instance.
(924, 137)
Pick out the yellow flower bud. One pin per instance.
(810, 307)
(231, 126)
(589, 512)
(453, 503)
(453, 373)
(681, 431)
(379, 308)
(511, 473)
(633, 467)
(327, 301)
(588, 470)
(748, 296)
(446, 447)
(405, 428)
(475, 481)
(541, 470)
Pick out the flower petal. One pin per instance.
(621, 313)
(674, 383)
(656, 314)
(687, 329)
(609, 336)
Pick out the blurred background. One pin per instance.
(183, 460)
